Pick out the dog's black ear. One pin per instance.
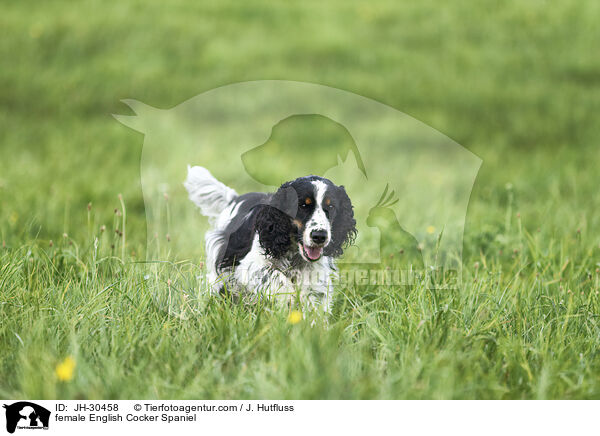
(343, 227)
(274, 221)
(274, 228)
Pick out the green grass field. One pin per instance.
(517, 83)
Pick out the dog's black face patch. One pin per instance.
(305, 197)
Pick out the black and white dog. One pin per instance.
(277, 243)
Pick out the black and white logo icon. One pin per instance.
(26, 415)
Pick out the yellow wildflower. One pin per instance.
(294, 317)
(430, 229)
(65, 369)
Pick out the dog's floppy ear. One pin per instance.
(343, 227)
(274, 221)
(274, 229)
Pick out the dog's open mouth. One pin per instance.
(311, 253)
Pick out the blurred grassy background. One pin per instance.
(517, 83)
(514, 82)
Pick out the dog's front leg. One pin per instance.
(279, 286)
(317, 290)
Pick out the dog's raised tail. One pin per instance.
(206, 192)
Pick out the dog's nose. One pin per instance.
(318, 236)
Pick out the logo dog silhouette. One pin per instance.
(30, 412)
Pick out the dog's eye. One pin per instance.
(328, 209)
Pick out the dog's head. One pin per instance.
(310, 215)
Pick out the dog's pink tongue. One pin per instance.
(313, 253)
